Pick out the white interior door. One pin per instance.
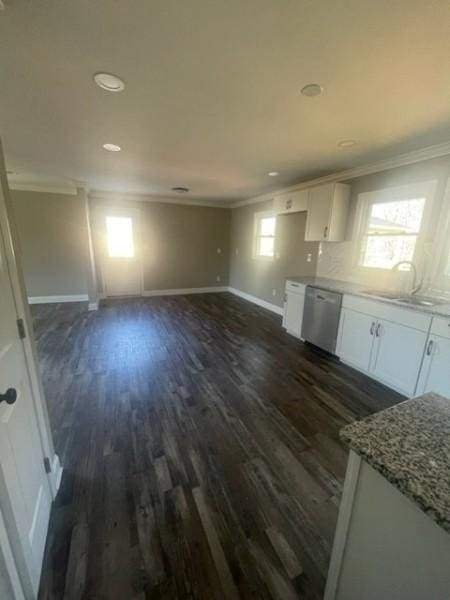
(121, 262)
(25, 497)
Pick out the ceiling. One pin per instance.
(212, 98)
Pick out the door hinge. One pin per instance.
(21, 328)
(47, 465)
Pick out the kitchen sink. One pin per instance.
(412, 300)
(420, 301)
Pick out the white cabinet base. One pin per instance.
(385, 546)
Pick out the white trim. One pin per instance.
(343, 525)
(35, 187)
(268, 305)
(382, 165)
(55, 475)
(129, 197)
(185, 291)
(93, 306)
(55, 299)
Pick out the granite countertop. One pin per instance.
(409, 444)
(354, 289)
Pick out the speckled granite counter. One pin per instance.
(354, 289)
(409, 444)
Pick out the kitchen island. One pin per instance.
(392, 539)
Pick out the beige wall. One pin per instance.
(337, 260)
(259, 277)
(179, 245)
(53, 240)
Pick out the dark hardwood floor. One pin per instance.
(200, 446)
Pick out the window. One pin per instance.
(390, 232)
(265, 225)
(119, 232)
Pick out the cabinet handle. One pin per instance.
(325, 231)
(377, 330)
(430, 347)
(372, 327)
(285, 297)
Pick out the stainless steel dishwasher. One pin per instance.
(321, 318)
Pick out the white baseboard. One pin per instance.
(54, 299)
(272, 307)
(184, 291)
(93, 306)
(56, 475)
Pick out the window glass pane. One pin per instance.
(119, 231)
(267, 226)
(385, 251)
(266, 246)
(401, 216)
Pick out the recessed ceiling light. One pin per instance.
(273, 173)
(112, 147)
(312, 89)
(346, 143)
(180, 189)
(109, 82)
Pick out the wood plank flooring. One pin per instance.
(200, 446)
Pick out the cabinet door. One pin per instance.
(435, 372)
(355, 338)
(397, 355)
(319, 213)
(293, 312)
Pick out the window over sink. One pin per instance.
(392, 225)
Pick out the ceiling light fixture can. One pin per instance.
(273, 173)
(180, 189)
(109, 82)
(312, 89)
(112, 147)
(346, 143)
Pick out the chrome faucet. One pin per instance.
(415, 285)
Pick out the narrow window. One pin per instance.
(265, 235)
(119, 232)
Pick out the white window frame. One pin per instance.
(421, 189)
(440, 280)
(258, 216)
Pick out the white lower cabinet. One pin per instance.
(388, 350)
(397, 355)
(355, 338)
(435, 373)
(293, 312)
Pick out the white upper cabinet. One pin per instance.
(327, 212)
(291, 202)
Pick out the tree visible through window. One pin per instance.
(265, 235)
(390, 232)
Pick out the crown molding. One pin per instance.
(50, 189)
(400, 160)
(128, 197)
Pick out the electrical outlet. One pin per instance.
(309, 257)
(274, 292)
(219, 250)
(237, 251)
(218, 278)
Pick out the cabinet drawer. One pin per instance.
(389, 312)
(295, 287)
(440, 326)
